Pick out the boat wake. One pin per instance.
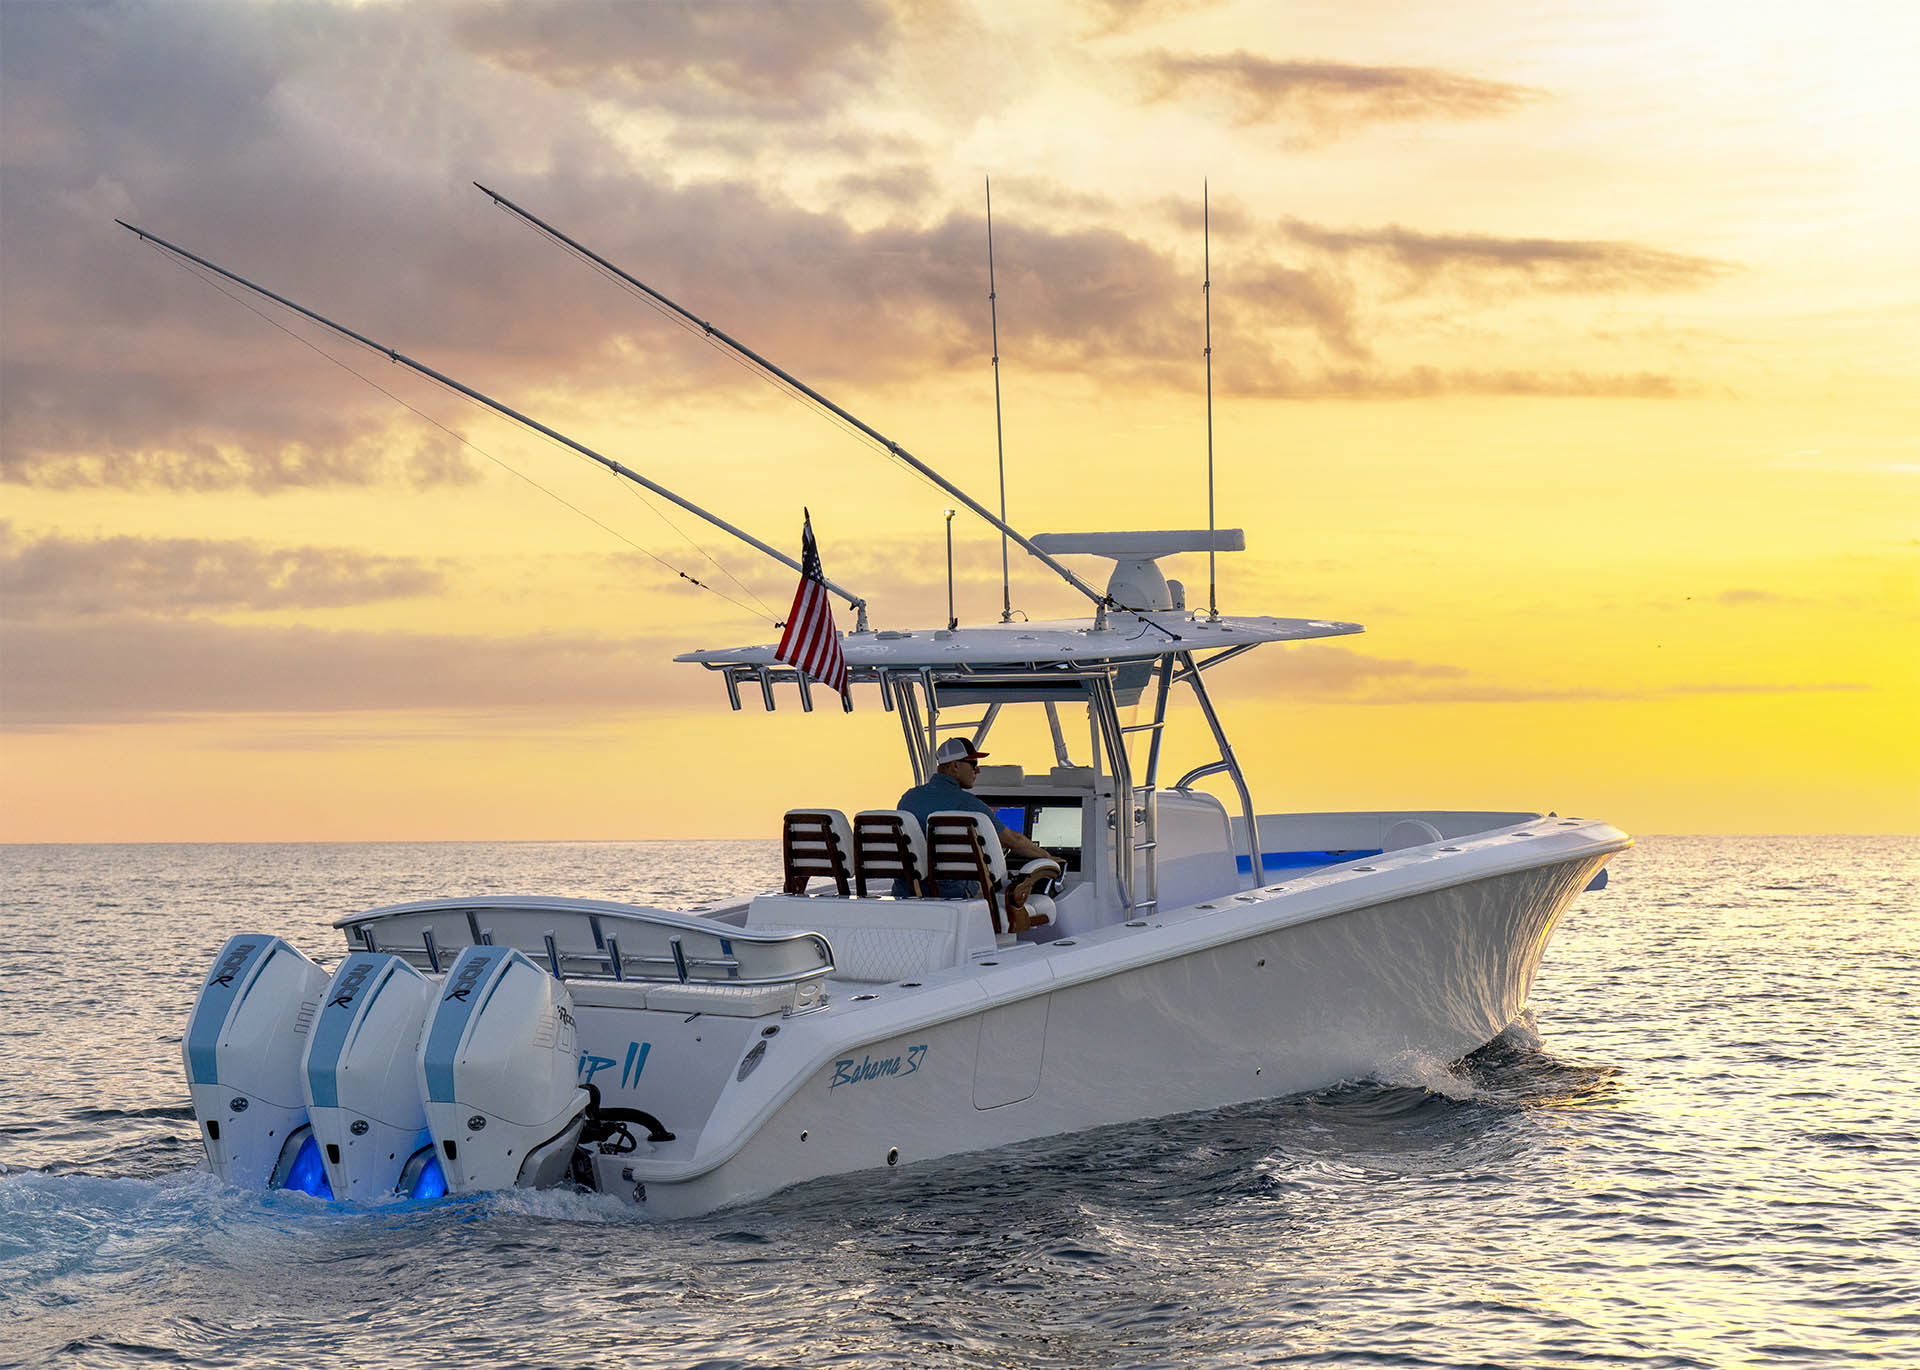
(1414, 1104)
(1418, 1070)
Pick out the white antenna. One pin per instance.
(999, 442)
(1206, 293)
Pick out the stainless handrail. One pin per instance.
(1107, 715)
(1231, 764)
(676, 963)
(1185, 782)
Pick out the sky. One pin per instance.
(1571, 348)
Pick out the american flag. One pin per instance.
(810, 643)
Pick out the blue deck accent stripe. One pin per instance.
(1301, 860)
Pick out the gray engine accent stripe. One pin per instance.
(238, 961)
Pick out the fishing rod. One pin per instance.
(1101, 601)
(858, 605)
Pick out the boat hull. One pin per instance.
(1299, 1004)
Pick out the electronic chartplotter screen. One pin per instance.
(1055, 825)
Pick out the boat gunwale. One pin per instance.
(1102, 953)
(593, 910)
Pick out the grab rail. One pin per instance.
(581, 939)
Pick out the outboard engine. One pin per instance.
(242, 1052)
(362, 1076)
(497, 1071)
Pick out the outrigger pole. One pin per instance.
(1101, 601)
(858, 605)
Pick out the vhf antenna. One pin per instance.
(1206, 294)
(999, 442)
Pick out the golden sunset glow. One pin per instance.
(1570, 349)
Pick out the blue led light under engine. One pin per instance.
(308, 1175)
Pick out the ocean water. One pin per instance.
(1700, 1147)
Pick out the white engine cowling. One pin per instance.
(242, 1052)
(498, 1069)
(361, 1073)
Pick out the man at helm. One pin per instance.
(948, 789)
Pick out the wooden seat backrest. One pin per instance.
(888, 845)
(957, 850)
(816, 842)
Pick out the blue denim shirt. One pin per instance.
(943, 794)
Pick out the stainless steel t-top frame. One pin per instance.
(922, 695)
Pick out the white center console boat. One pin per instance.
(1189, 954)
(1192, 956)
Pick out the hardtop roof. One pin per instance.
(1127, 637)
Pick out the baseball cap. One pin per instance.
(955, 749)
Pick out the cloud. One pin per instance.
(60, 577)
(904, 186)
(123, 670)
(1341, 675)
(1340, 672)
(1124, 16)
(326, 152)
(1041, 194)
(1553, 264)
(311, 148)
(1738, 598)
(1322, 672)
(776, 57)
(327, 157)
(1490, 693)
(334, 732)
(62, 450)
(1264, 377)
(1222, 214)
(1323, 100)
(1777, 688)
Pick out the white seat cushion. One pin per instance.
(878, 940)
